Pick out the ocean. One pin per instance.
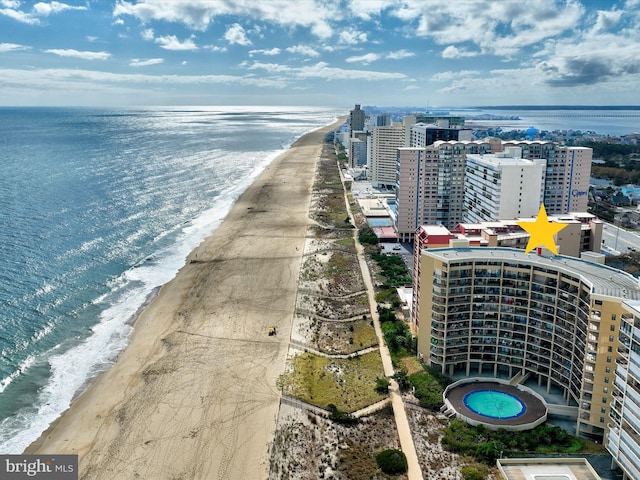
(98, 209)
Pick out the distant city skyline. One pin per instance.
(332, 53)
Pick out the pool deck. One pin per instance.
(534, 407)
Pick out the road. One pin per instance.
(619, 239)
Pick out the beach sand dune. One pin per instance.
(194, 396)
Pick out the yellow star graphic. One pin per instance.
(541, 231)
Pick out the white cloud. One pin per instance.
(91, 38)
(454, 52)
(608, 19)
(366, 58)
(316, 15)
(323, 71)
(367, 9)
(64, 79)
(235, 34)
(10, 47)
(352, 37)
(269, 67)
(171, 42)
(215, 48)
(10, 3)
(70, 52)
(303, 50)
(399, 55)
(44, 9)
(19, 16)
(269, 52)
(147, 34)
(452, 75)
(500, 28)
(135, 62)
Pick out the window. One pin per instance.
(606, 379)
(607, 369)
(604, 399)
(603, 410)
(612, 328)
(608, 359)
(605, 390)
(611, 338)
(609, 349)
(613, 317)
(601, 419)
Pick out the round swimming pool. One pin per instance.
(494, 404)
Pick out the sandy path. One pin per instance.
(194, 396)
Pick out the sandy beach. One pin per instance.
(194, 395)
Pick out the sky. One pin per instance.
(330, 53)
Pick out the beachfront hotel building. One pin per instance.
(623, 437)
(499, 312)
(502, 185)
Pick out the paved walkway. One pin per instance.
(399, 413)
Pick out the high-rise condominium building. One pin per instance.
(430, 185)
(623, 438)
(583, 233)
(499, 312)
(423, 134)
(567, 175)
(502, 186)
(430, 182)
(385, 142)
(356, 119)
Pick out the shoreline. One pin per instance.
(194, 393)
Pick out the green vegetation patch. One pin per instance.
(429, 387)
(349, 384)
(366, 236)
(392, 269)
(345, 337)
(486, 445)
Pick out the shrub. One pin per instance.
(392, 461)
(429, 387)
(382, 385)
(472, 473)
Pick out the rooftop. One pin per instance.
(604, 280)
(500, 159)
(546, 469)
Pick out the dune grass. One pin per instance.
(349, 384)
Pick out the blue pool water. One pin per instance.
(379, 221)
(494, 404)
